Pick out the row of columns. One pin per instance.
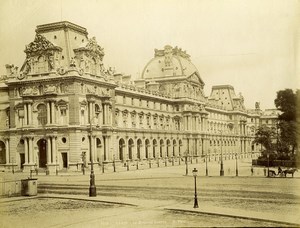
(50, 112)
(195, 122)
(105, 116)
(29, 150)
(51, 150)
(151, 150)
(27, 113)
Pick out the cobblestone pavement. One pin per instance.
(247, 200)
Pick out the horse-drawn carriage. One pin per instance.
(282, 173)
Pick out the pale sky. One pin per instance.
(250, 45)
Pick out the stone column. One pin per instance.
(191, 122)
(205, 124)
(26, 150)
(52, 113)
(143, 150)
(48, 113)
(53, 149)
(7, 154)
(105, 114)
(48, 150)
(30, 152)
(29, 114)
(90, 112)
(25, 114)
(106, 148)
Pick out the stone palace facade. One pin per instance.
(63, 105)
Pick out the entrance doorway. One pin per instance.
(42, 145)
(64, 157)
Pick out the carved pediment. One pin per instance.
(92, 48)
(83, 103)
(62, 104)
(40, 45)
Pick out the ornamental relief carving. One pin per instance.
(41, 56)
(89, 58)
(42, 89)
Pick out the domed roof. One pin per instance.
(169, 62)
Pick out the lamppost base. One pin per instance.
(93, 191)
(221, 172)
(196, 203)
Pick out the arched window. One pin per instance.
(130, 148)
(42, 114)
(42, 65)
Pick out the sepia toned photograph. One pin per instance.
(149, 113)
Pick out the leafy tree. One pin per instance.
(265, 136)
(286, 102)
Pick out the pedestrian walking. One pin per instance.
(252, 170)
(265, 171)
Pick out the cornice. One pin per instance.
(61, 26)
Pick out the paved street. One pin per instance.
(162, 197)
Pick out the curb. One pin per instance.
(232, 216)
(89, 200)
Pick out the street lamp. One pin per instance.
(195, 171)
(206, 170)
(56, 171)
(114, 164)
(92, 189)
(186, 164)
(221, 165)
(268, 165)
(236, 166)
